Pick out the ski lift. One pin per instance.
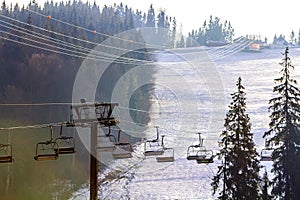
(192, 152)
(297, 143)
(205, 156)
(106, 142)
(71, 122)
(266, 153)
(66, 144)
(6, 153)
(85, 108)
(199, 152)
(45, 150)
(153, 147)
(168, 153)
(123, 149)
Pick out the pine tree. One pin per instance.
(285, 134)
(180, 43)
(150, 17)
(239, 172)
(298, 38)
(265, 187)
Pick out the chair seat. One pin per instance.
(46, 157)
(6, 159)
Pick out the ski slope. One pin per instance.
(192, 92)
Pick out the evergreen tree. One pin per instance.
(285, 134)
(161, 23)
(173, 33)
(214, 30)
(275, 39)
(180, 43)
(298, 38)
(150, 17)
(4, 9)
(239, 171)
(265, 187)
(292, 37)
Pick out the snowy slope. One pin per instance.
(191, 95)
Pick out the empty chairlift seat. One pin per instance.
(199, 152)
(266, 153)
(167, 156)
(153, 147)
(65, 144)
(205, 157)
(168, 153)
(106, 142)
(6, 153)
(45, 150)
(123, 149)
(194, 152)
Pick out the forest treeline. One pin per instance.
(41, 50)
(36, 66)
(34, 69)
(33, 72)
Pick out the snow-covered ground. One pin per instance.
(192, 93)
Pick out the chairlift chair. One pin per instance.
(168, 154)
(266, 153)
(85, 108)
(66, 144)
(205, 156)
(45, 150)
(6, 153)
(192, 151)
(153, 147)
(71, 122)
(200, 153)
(123, 149)
(107, 142)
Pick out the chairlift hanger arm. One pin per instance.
(157, 136)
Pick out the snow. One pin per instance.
(191, 95)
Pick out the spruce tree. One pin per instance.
(239, 171)
(150, 17)
(284, 133)
(265, 187)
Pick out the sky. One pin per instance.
(255, 17)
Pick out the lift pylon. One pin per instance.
(92, 112)
(91, 115)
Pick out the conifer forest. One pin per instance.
(113, 102)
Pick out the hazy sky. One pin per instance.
(264, 17)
